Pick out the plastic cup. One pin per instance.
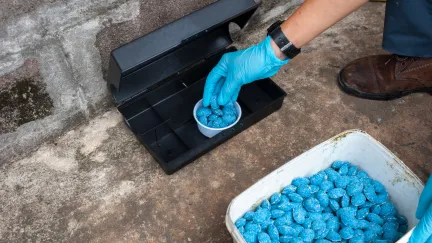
(209, 131)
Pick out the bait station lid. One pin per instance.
(157, 79)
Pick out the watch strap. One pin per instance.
(283, 43)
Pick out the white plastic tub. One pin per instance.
(210, 131)
(355, 146)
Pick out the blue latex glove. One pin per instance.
(423, 232)
(241, 67)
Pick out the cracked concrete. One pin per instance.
(79, 175)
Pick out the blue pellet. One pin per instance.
(217, 123)
(376, 228)
(349, 220)
(299, 215)
(336, 193)
(286, 230)
(362, 174)
(354, 188)
(229, 111)
(403, 228)
(307, 235)
(333, 224)
(379, 188)
(314, 189)
(358, 200)
(277, 213)
(362, 224)
(375, 218)
(298, 229)
(304, 191)
(266, 204)
(322, 241)
(389, 218)
(264, 225)
(352, 171)
(285, 239)
(217, 112)
(367, 204)
(307, 223)
(241, 230)
(300, 181)
(213, 117)
(365, 180)
(332, 175)
(326, 186)
(229, 119)
(286, 219)
(295, 197)
(401, 219)
(362, 213)
(249, 215)
(357, 240)
(283, 199)
(252, 227)
(321, 233)
(388, 209)
(327, 216)
(342, 182)
(289, 189)
(338, 164)
(263, 238)
(287, 206)
(334, 205)
(275, 198)
(369, 235)
(318, 178)
(319, 225)
(273, 232)
(315, 216)
(390, 225)
(344, 169)
(261, 215)
(382, 198)
(296, 240)
(333, 236)
(346, 233)
(327, 210)
(240, 222)
(345, 201)
(250, 237)
(204, 111)
(358, 233)
(203, 120)
(312, 205)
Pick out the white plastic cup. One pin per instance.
(209, 131)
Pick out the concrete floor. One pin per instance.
(77, 174)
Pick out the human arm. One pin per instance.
(265, 59)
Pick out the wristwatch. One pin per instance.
(286, 46)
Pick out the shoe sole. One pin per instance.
(389, 96)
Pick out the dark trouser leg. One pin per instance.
(408, 28)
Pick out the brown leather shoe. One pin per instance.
(386, 77)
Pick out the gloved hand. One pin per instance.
(241, 67)
(423, 232)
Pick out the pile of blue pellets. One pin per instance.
(217, 116)
(339, 204)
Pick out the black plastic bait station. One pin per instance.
(156, 81)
